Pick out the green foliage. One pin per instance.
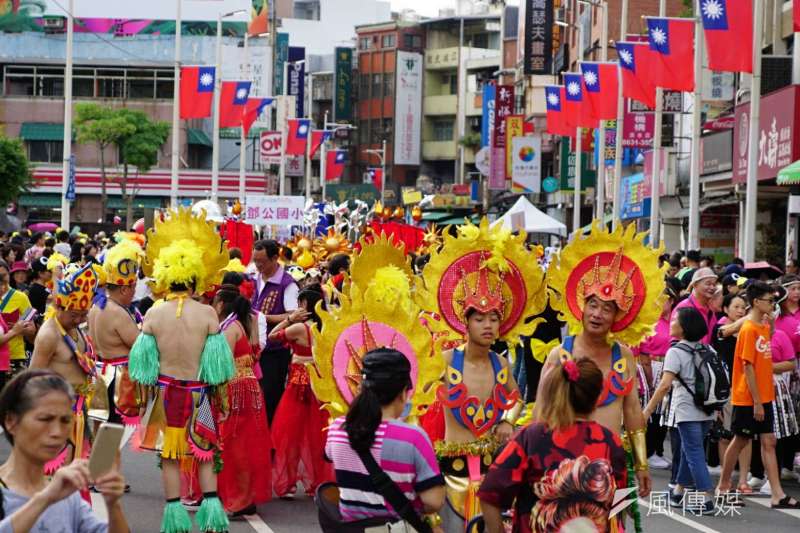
(140, 148)
(15, 172)
(688, 8)
(470, 140)
(101, 125)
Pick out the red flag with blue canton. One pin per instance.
(728, 27)
(377, 177)
(601, 83)
(197, 91)
(635, 61)
(577, 108)
(556, 116)
(672, 43)
(299, 129)
(252, 110)
(232, 103)
(334, 166)
(317, 138)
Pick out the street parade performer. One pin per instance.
(114, 327)
(482, 285)
(62, 347)
(184, 357)
(609, 289)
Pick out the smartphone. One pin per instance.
(30, 315)
(104, 449)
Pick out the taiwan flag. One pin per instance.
(232, 103)
(377, 177)
(578, 109)
(196, 91)
(672, 44)
(634, 62)
(317, 138)
(299, 129)
(556, 117)
(252, 110)
(601, 81)
(728, 27)
(334, 166)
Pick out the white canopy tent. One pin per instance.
(523, 215)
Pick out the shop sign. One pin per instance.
(637, 130)
(777, 144)
(342, 104)
(340, 193)
(568, 168)
(274, 210)
(297, 78)
(408, 109)
(504, 107)
(672, 102)
(538, 38)
(715, 152)
(514, 128)
(634, 202)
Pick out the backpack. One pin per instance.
(712, 387)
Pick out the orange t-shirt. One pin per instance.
(753, 346)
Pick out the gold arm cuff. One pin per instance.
(639, 448)
(511, 415)
(433, 520)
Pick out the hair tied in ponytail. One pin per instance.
(230, 287)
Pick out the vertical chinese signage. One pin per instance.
(70, 194)
(568, 168)
(526, 164)
(281, 57)
(514, 128)
(538, 55)
(342, 104)
(487, 122)
(504, 107)
(297, 78)
(408, 109)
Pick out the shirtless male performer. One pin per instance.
(63, 348)
(184, 357)
(113, 327)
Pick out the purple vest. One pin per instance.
(269, 301)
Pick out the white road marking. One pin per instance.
(99, 507)
(682, 519)
(765, 502)
(258, 524)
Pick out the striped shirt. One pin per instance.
(403, 451)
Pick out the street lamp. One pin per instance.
(217, 97)
(382, 155)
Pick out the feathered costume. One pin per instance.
(184, 249)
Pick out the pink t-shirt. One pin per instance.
(5, 351)
(790, 325)
(658, 344)
(707, 314)
(782, 349)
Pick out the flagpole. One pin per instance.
(309, 141)
(383, 171)
(601, 149)
(176, 111)
(323, 157)
(655, 181)
(751, 194)
(243, 143)
(65, 178)
(576, 193)
(284, 141)
(694, 174)
(215, 129)
(623, 30)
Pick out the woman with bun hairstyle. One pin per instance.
(538, 469)
(246, 476)
(299, 447)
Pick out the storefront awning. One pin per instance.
(116, 202)
(456, 220)
(42, 131)
(39, 200)
(436, 216)
(790, 175)
(198, 137)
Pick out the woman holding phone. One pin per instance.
(36, 409)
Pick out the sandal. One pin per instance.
(744, 488)
(787, 502)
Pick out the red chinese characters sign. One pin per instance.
(637, 130)
(778, 146)
(504, 107)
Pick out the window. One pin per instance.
(388, 41)
(46, 151)
(412, 41)
(363, 87)
(450, 83)
(480, 40)
(363, 132)
(443, 130)
(377, 82)
(388, 84)
(376, 131)
(387, 129)
(363, 43)
(199, 156)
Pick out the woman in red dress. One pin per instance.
(300, 446)
(246, 476)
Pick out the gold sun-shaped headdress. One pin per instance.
(381, 252)
(484, 263)
(616, 267)
(331, 243)
(183, 248)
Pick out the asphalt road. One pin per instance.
(144, 504)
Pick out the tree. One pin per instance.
(15, 174)
(104, 127)
(138, 149)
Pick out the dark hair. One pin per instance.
(673, 287)
(271, 247)
(385, 374)
(738, 261)
(570, 398)
(63, 236)
(36, 236)
(233, 301)
(311, 295)
(729, 298)
(339, 263)
(49, 242)
(693, 255)
(788, 279)
(21, 393)
(287, 253)
(756, 290)
(692, 323)
(235, 253)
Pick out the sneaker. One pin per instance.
(765, 489)
(715, 470)
(658, 463)
(788, 475)
(797, 462)
(755, 482)
(707, 509)
(676, 500)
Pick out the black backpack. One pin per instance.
(712, 386)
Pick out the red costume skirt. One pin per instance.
(246, 476)
(300, 433)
